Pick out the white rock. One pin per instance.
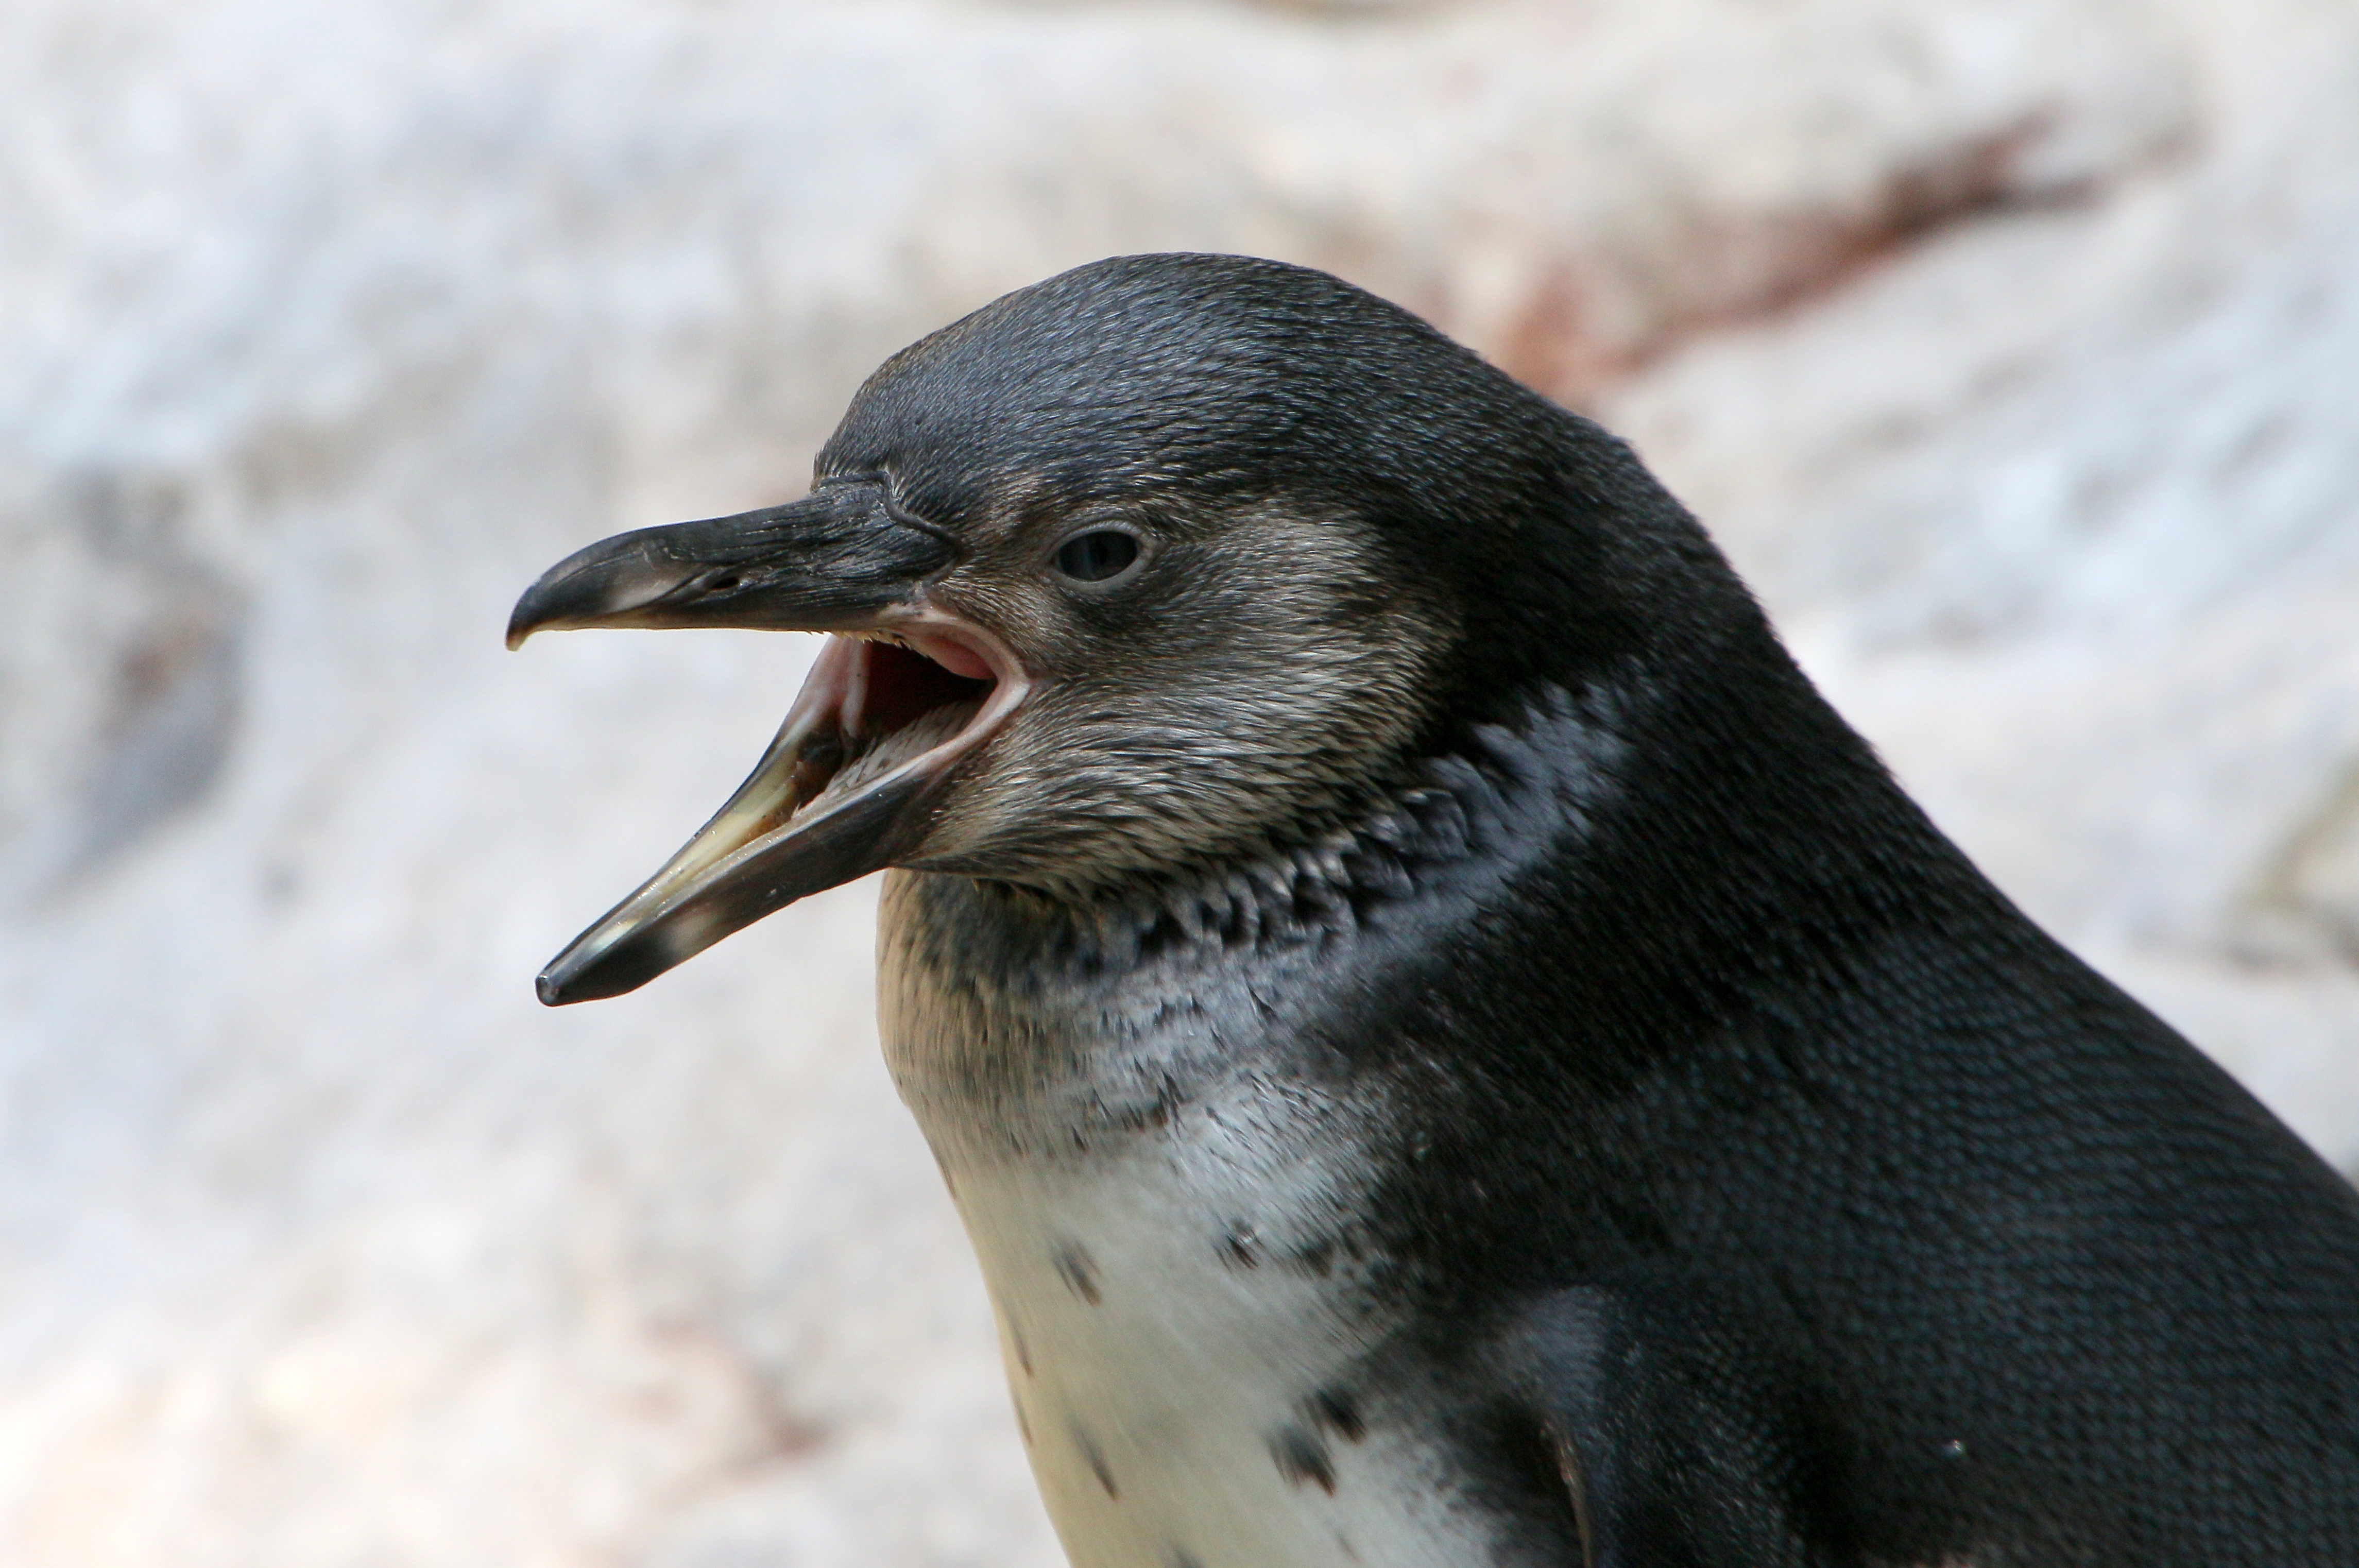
(325, 329)
(2064, 512)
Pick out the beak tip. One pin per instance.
(533, 613)
(592, 973)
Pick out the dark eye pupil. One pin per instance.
(1097, 555)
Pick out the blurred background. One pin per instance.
(2011, 347)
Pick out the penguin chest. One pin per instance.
(1189, 1393)
(1176, 1217)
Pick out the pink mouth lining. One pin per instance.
(868, 687)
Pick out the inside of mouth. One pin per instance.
(904, 688)
(908, 706)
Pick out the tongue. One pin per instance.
(955, 657)
(900, 687)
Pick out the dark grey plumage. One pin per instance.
(1449, 1051)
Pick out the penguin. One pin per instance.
(1448, 1050)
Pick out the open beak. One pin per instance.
(899, 697)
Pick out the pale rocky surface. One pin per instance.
(2064, 511)
(2010, 348)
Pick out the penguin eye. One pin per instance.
(1097, 555)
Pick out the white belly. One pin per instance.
(1176, 1249)
(1167, 1388)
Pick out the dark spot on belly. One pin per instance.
(1301, 1457)
(1079, 1269)
(1335, 1410)
(1137, 1115)
(1183, 1558)
(1343, 1545)
(1318, 1258)
(1095, 1459)
(1241, 1248)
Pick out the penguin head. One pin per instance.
(1146, 567)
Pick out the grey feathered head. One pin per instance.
(1160, 560)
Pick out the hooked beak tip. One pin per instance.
(612, 583)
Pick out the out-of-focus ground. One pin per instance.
(2010, 346)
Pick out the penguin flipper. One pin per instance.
(1680, 1432)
